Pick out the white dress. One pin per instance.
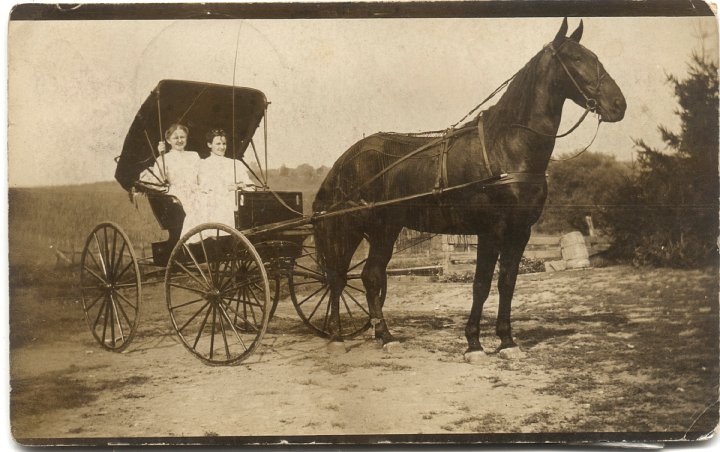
(181, 172)
(216, 177)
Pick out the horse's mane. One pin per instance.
(514, 106)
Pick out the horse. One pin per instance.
(484, 178)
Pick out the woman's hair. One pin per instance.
(173, 128)
(210, 136)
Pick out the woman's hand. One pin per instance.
(161, 147)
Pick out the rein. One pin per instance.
(591, 104)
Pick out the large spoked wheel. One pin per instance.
(274, 255)
(218, 294)
(110, 282)
(310, 294)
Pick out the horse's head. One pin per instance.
(583, 78)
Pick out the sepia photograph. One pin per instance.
(447, 223)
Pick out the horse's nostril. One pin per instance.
(620, 103)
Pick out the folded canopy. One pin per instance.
(201, 107)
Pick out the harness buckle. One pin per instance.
(591, 104)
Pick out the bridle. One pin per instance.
(591, 103)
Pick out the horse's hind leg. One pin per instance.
(374, 276)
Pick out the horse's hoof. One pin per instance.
(336, 347)
(392, 346)
(511, 353)
(475, 357)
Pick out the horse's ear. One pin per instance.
(560, 36)
(577, 34)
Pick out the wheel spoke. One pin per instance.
(241, 316)
(313, 272)
(354, 288)
(232, 327)
(225, 275)
(112, 255)
(126, 300)
(92, 256)
(192, 256)
(314, 281)
(193, 317)
(357, 265)
(212, 330)
(105, 320)
(191, 289)
(327, 314)
(108, 264)
(98, 277)
(100, 311)
(312, 295)
(318, 303)
(121, 254)
(250, 292)
(347, 308)
(95, 301)
(243, 301)
(122, 311)
(124, 285)
(202, 327)
(120, 275)
(188, 303)
(117, 318)
(222, 329)
(357, 303)
(189, 273)
(207, 259)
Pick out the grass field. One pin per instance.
(62, 217)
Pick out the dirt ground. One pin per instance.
(614, 349)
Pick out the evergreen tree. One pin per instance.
(668, 213)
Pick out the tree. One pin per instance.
(668, 213)
(580, 187)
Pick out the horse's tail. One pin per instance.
(336, 193)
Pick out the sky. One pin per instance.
(75, 86)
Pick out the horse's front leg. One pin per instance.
(510, 255)
(487, 255)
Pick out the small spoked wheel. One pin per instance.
(110, 282)
(218, 294)
(310, 294)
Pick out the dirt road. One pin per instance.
(605, 350)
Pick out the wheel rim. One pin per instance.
(218, 294)
(110, 282)
(310, 295)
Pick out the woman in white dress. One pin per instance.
(179, 169)
(217, 181)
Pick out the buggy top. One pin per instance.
(200, 107)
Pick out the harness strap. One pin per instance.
(356, 190)
(519, 178)
(442, 178)
(481, 134)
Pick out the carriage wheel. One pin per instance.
(271, 252)
(310, 294)
(110, 282)
(218, 294)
